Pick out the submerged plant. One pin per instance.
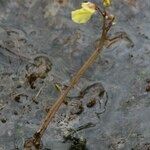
(80, 16)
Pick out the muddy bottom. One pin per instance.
(41, 49)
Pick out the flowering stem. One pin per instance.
(36, 139)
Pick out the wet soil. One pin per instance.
(40, 47)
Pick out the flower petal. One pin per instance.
(81, 15)
(106, 3)
(89, 6)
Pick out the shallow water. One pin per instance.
(32, 28)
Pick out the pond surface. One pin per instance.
(41, 48)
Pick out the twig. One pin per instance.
(37, 95)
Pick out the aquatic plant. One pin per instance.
(80, 16)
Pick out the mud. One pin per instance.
(40, 46)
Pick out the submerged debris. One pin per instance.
(148, 85)
(144, 146)
(42, 65)
(95, 88)
(3, 120)
(76, 107)
(91, 103)
(77, 142)
(148, 88)
(17, 96)
(30, 144)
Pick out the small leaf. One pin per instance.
(81, 15)
(106, 3)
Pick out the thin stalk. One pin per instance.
(73, 82)
(35, 141)
(38, 135)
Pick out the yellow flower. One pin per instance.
(106, 3)
(84, 14)
(89, 6)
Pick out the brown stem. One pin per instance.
(35, 141)
(38, 135)
(110, 24)
(73, 82)
(121, 35)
